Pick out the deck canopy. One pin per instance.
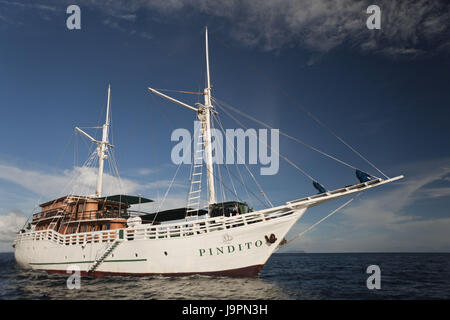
(122, 198)
(169, 215)
(229, 208)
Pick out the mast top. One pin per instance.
(207, 60)
(103, 147)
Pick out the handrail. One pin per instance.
(163, 231)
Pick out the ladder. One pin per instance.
(193, 203)
(107, 252)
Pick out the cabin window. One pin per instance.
(73, 230)
(107, 227)
(83, 228)
(81, 207)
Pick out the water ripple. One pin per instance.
(285, 276)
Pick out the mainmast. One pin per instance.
(204, 115)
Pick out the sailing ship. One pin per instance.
(102, 235)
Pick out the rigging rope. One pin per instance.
(242, 180)
(279, 154)
(167, 191)
(342, 140)
(224, 104)
(321, 220)
(275, 85)
(216, 118)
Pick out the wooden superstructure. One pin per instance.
(74, 214)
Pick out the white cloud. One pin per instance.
(118, 24)
(436, 192)
(9, 225)
(145, 171)
(80, 181)
(29, 5)
(385, 208)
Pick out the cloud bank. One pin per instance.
(408, 27)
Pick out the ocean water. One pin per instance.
(285, 276)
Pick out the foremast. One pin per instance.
(102, 146)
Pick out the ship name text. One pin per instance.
(229, 249)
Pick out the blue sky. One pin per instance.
(384, 91)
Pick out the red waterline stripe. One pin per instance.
(246, 272)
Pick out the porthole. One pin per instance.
(136, 255)
(165, 253)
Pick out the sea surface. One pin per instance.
(285, 276)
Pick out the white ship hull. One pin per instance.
(235, 246)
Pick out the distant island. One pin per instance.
(290, 251)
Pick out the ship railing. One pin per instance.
(71, 239)
(184, 229)
(177, 230)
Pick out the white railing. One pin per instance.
(69, 239)
(184, 229)
(148, 231)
